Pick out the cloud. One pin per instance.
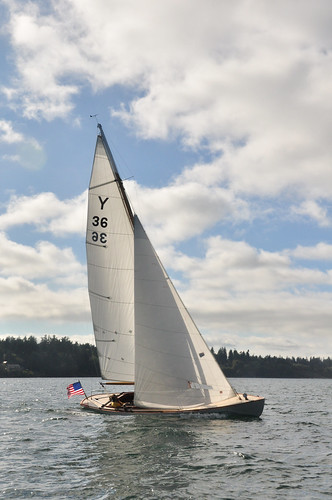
(7, 133)
(248, 83)
(45, 261)
(312, 210)
(184, 209)
(321, 252)
(42, 282)
(47, 213)
(233, 267)
(28, 152)
(238, 293)
(24, 299)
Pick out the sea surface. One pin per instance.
(51, 448)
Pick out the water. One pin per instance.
(51, 448)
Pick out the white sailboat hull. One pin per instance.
(249, 406)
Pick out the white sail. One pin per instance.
(174, 367)
(110, 257)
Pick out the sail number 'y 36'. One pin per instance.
(100, 222)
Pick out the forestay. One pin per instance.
(174, 367)
(110, 257)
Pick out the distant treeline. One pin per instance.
(54, 357)
(50, 357)
(243, 364)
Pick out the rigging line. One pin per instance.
(116, 174)
(126, 165)
(123, 161)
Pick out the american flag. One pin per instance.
(75, 388)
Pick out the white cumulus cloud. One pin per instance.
(47, 213)
(312, 210)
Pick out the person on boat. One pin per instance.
(114, 400)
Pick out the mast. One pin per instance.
(117, 175)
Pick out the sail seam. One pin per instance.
(120, 269)
(170, 332)
(160, 305)
(120, 302)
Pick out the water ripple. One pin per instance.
(50, 448)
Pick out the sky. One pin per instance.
(219, 115)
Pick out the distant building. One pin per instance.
(11, 367)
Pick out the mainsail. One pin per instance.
(110, 257)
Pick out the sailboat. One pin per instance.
(144, 334)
